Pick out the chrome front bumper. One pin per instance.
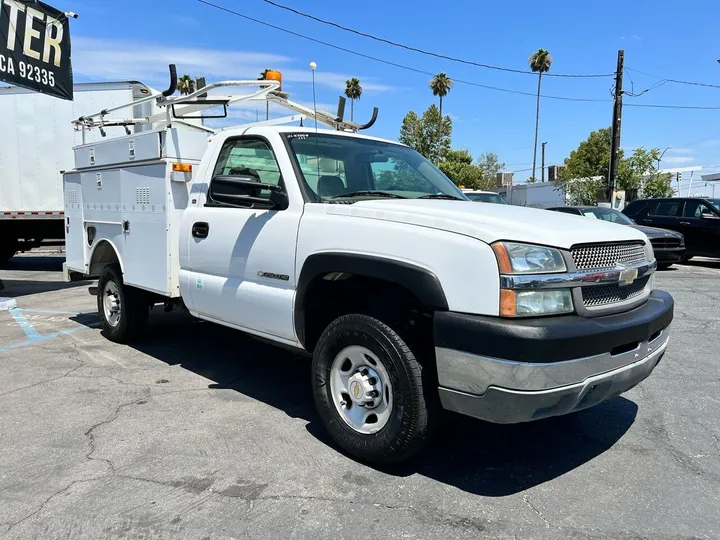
(507, 392)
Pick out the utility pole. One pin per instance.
(616, 124)
(542, 174)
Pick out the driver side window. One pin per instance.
(249, 158)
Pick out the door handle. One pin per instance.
(684, 223)
(200, 229)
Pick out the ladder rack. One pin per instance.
(198, 101)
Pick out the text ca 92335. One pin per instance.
(27, 71)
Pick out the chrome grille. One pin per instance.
(602, 295)
(601, 256)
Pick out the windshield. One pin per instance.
(607, 214)
(345, 168)
(715, 203)
(486, 197)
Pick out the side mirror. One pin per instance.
(244, 191)
(707, 214)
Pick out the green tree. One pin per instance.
(490, 165)
(441, 85)
(186, 85)
(639, 171)
(540, 63)
(353, 91)
(586, 168)
(429, 135)
(459, 167)
(658, 185)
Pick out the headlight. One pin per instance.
(514, 258)
(535, 303)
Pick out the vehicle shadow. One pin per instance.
(703, 263)
(30, 262)
(477, 457)
(15, 288)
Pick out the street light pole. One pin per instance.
(661, 156)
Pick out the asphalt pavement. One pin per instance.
(200, 432)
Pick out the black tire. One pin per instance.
(415, 403)
(134, 308)
(7, 251)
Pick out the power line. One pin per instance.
(676, 81)
(388, 62)
(697, 107)
(416, 70)
(428, 53)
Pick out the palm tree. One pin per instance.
(540, 63)
(186, 85)
(440, 86)
(262, 77)
(353, 90)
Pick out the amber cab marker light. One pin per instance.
(503, 258)
(181, 167)
(507, 303)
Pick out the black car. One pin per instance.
(697, 219)
(669, 246)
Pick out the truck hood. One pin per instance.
(491, 222)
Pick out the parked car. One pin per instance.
(483, 196)
(669, 246)
(697, 219)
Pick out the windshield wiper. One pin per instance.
(369, 192)
(441, 196)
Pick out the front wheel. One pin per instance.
(370, 391)
(124, 310)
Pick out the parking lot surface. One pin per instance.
(201, 432)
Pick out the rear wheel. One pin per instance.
(370, 392)
(124, 310)
(8, 249)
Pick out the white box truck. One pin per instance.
(364, 266)
(36, 144)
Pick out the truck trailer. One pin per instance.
(36, 145)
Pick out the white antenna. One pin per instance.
(313, 67)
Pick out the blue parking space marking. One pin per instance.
(32, 335)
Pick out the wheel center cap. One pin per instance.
(365, 388)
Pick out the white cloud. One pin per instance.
(680, 151)
(633, 37)
(108, 59)
(711, 143)
(678, 159)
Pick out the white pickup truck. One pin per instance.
(410, 298)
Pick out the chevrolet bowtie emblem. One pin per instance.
(627, 275)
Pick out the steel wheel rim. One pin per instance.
(351, 386)
(111, 303)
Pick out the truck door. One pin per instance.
(239, 267)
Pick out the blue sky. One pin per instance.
(136, 40)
